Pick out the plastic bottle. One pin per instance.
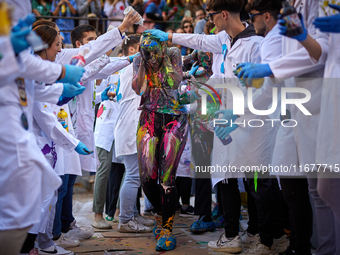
(79, 60)
(131, 9)
(111, 93)
(63, 117)
(293, 22)
(32, 38)
(63, 10)
(5, 22)
(256, 83)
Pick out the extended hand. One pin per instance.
(329, 24)
(18, 40)
(82, 149)
(162, 36)
(73, 74)
(283, 29)
(250, 70)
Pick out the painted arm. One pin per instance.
(138, 74)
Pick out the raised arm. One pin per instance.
(138, 74)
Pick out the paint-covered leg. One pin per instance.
(167, 240)
(147, 150)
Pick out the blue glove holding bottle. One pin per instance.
(283, 29)
(69, 92)
(19, 41)
(250, 70)
(329, 24)
(73, 74)
(82, 149)
(222, 131)
(162, 36)
(104, 95)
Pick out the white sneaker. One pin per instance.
(77, 233)
(66, 243)
(223, 244)
(101, 224)
(132, 226)
(259, 249)
(248, 240)
(55, 249)
(143, 220)
(280, 245)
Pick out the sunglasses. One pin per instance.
(211, 15)
(251, 16)
(187, 26)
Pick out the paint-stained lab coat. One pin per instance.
(328, 139)
(128, 117)
(26, 177)
(297, 63)
(250, 145)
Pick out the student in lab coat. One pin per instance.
(21, 158)
(130, 220)
(241, 44)
(307, 142)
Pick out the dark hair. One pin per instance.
(169, 28)
(234, 6)
(208, 27)
(47, 34)
(186, 21)
(134, 39)
(43, 22)
(271, 6)
(77, 34)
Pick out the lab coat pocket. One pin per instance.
(25, 152)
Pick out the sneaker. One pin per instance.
(248, 240)
(157, 227)
(281, 244)
(223, 244)
(109, 218)
(143, 220)
(91, 179)
(198, 227)
(147, 213)
(66, 243)
(77, 233)
(55, 249)
(259, 249)
(132, 226)
(166, 242)
(188, 212)
(101, 224)
(215, 212)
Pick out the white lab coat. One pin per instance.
(9, 63)
(297, 63)
(128, 117)
(106, 117)
(100, 68)
(250, 146)
(26, 176)
(328, 140)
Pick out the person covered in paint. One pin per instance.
(162, 130)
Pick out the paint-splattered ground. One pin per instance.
(112, 242)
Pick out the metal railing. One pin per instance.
(103, 21)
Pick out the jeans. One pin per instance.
(66, 211)
(129, 190)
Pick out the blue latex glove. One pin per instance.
(82, 149)
(26, 22)
(133, 56)
(329, 24)
(249, 70)
(18, 40)
(63, 123)
(222, 131)
(71, 90)
(193, 69)
(73, 74)
(104, 95)
(283, 29)
(162, 36)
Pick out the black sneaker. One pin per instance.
(188, 212)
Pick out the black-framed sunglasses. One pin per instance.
(211, 15)
(251, 16)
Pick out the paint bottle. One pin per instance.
(131, 9)
(79, 60)
(293, 22)
(111, 93)
(256, 83)
(5, 22)
(226, 140)
(63, 10)
(63, 117)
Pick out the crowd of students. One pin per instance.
(155, 120)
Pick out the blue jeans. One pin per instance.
(63, 211)
(129, 190)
